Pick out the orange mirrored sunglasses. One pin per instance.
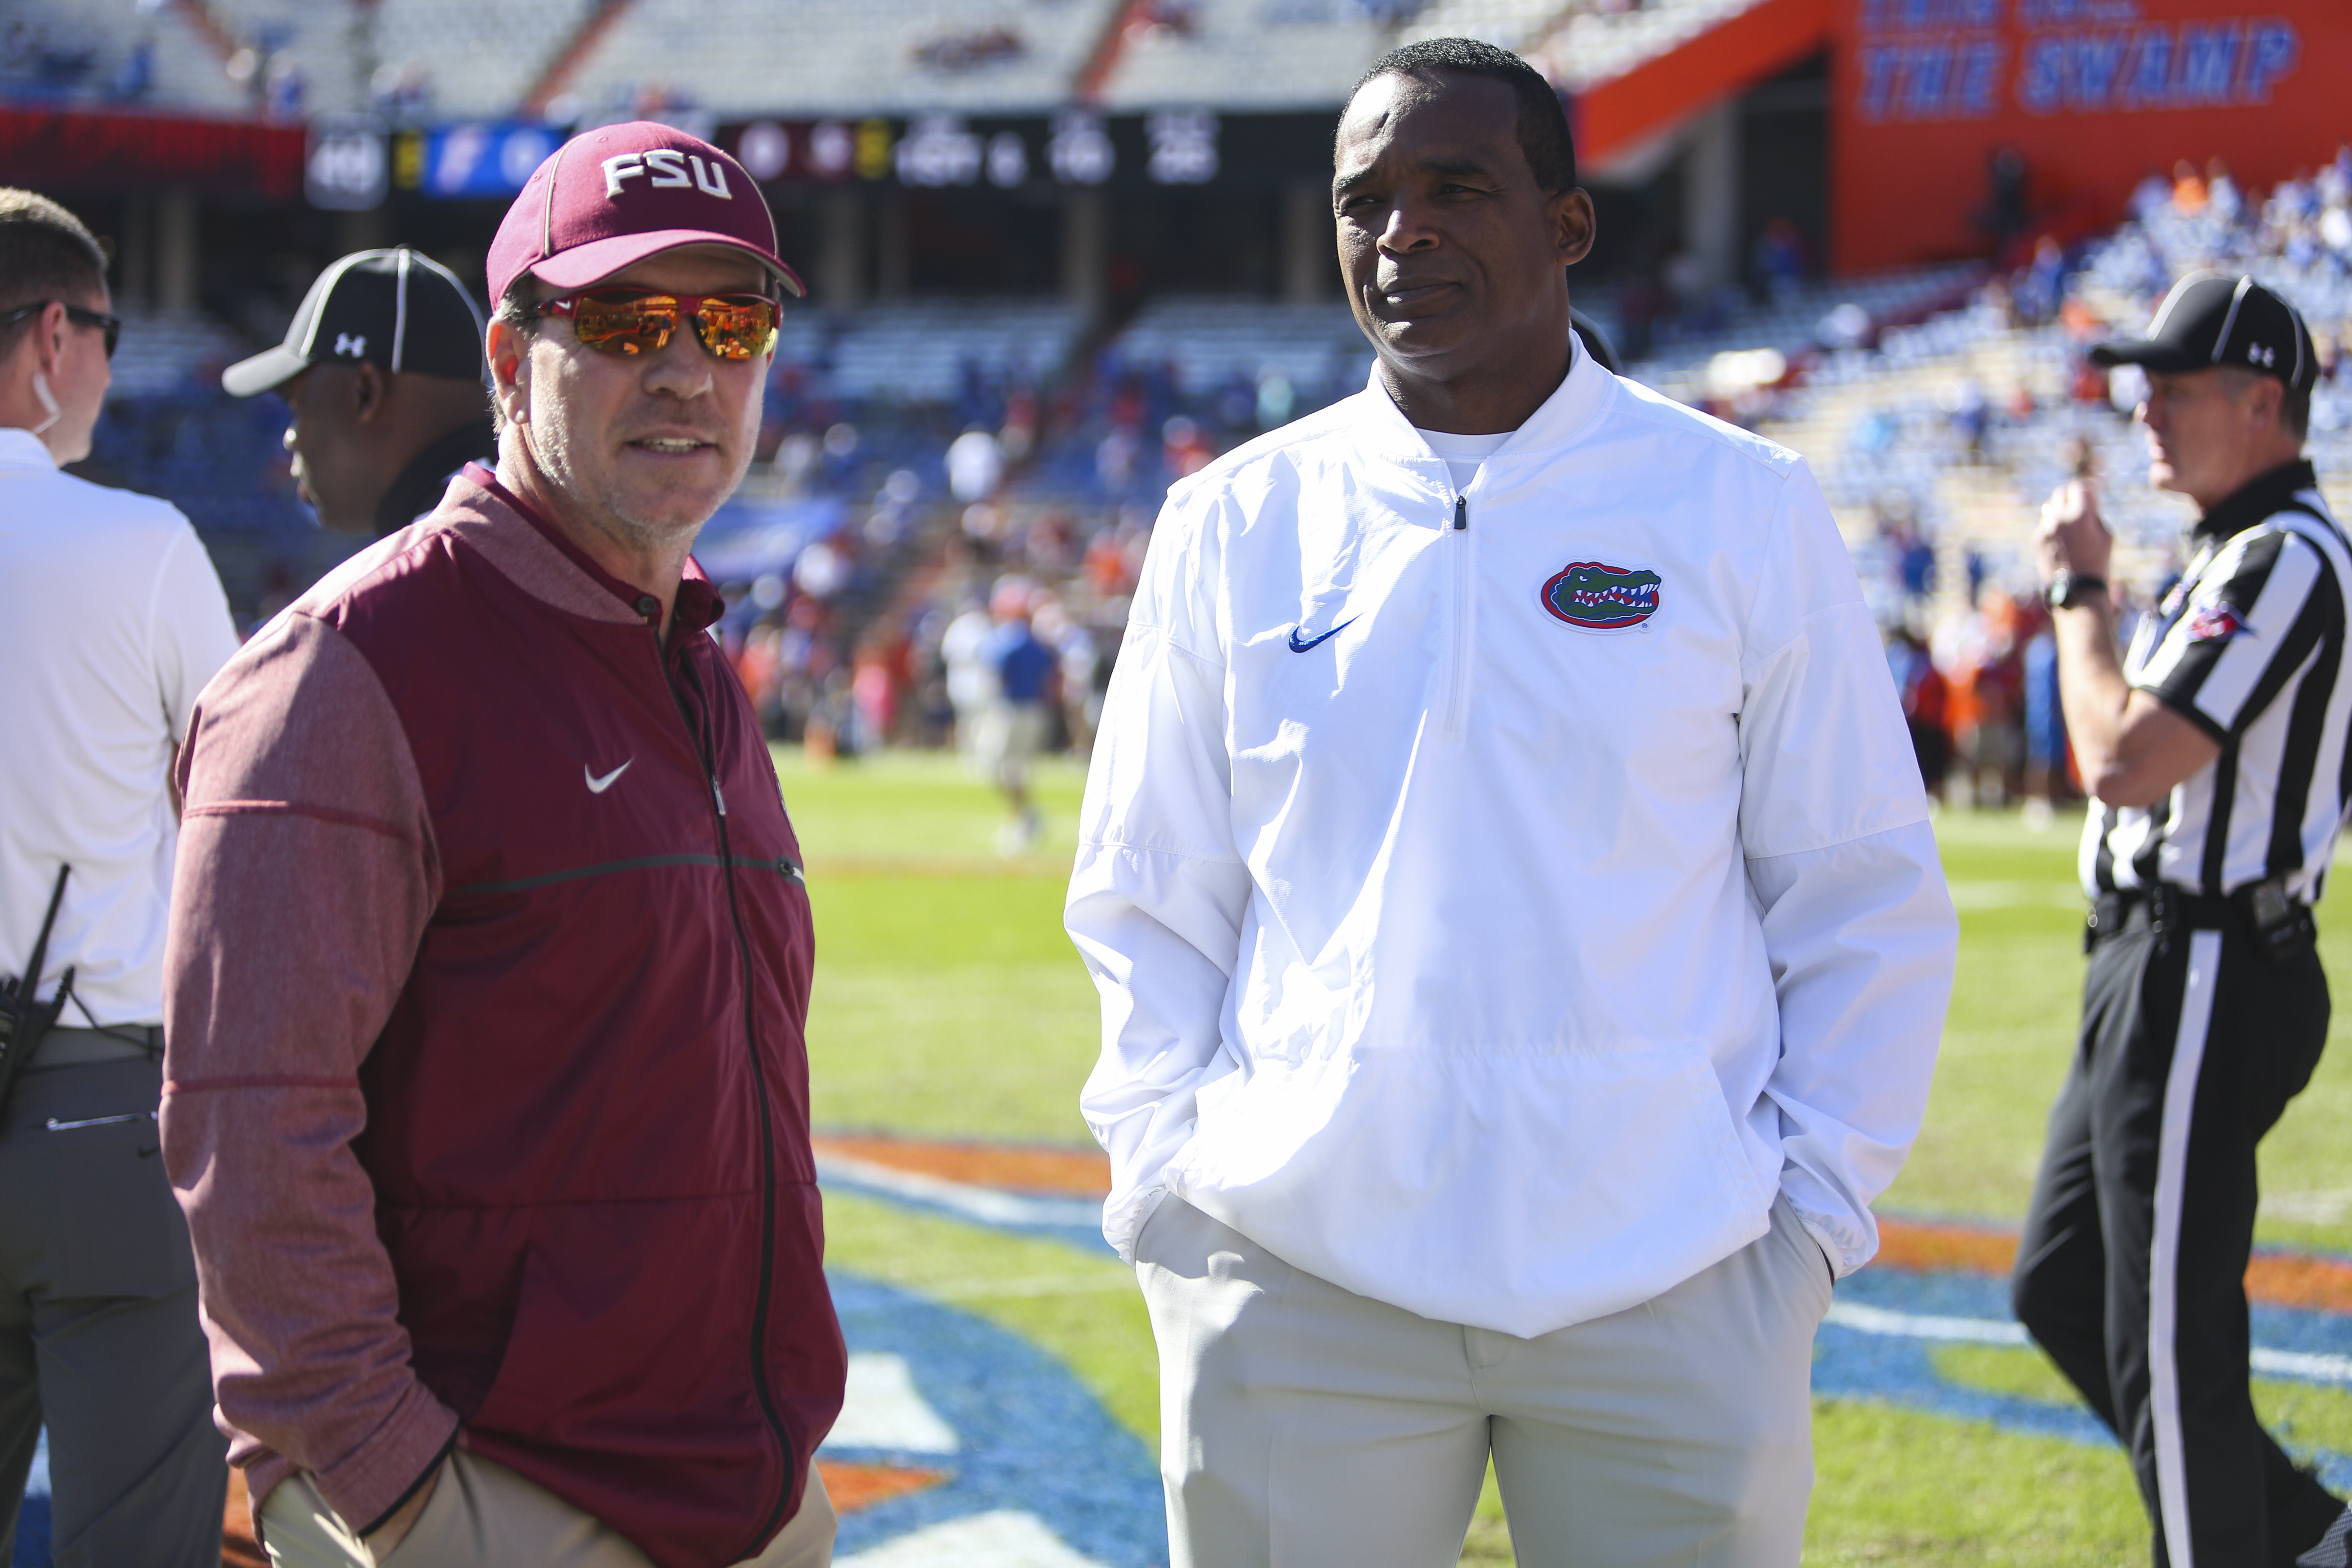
(638, 321)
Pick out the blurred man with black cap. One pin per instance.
(383, 368)
(2215, 751)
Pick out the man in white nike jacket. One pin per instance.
(1521, 942)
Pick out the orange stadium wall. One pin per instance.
(2092, 93)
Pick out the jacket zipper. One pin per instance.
(1457, 673)
(763, 1299)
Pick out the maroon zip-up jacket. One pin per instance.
(487, 1096)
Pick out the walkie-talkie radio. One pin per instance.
(24, 1019)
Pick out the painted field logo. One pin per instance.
(1598, 598)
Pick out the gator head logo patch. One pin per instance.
(1598, 598)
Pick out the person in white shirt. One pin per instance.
(116, 621)
(1522, 945)
(971, 679)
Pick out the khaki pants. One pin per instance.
(1302, 1425)
(483, 1515)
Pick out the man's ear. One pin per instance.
(48, 339)
(1573, 226)
(2265, 402)
(508, 352)
(370, 392)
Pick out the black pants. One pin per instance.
(98, 1336)
(2132, 1270)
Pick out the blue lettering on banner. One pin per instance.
(2094, 60)
(1941, 80)
(2043, 76)
(1928, 16)
(1878, 63)
(1977, 94)
(2208, 63)
(2079, 56)
(2152, 72)
(2273, 49)
(1927, 73)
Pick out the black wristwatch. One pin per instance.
(2068, 589)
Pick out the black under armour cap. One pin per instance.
(2210, 320)
(393, 309)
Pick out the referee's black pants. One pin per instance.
(2132, 1269)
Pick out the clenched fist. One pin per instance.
(2070, 536)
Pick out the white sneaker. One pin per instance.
(2335, 1548)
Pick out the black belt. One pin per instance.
(2280, 923)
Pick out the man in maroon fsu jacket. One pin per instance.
(487, 1096)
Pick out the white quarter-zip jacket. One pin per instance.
(1497, 897)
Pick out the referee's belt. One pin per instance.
(2265, 911)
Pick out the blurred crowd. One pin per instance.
(1967, 641)
(1020, 507)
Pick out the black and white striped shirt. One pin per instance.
(2250, 647)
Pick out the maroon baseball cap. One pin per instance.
(610, 198)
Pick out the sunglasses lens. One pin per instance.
(624, 325)
(737, 329)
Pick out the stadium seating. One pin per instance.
(1580, 42)
(1887, 427)
(1789, 322)
(166, 353)
(100, 51)
(1595, 44)
(1209, 340)
(923, 352)
(461, 59)
(1255, 55)
(846, 56)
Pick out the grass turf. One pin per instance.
(949, 1003)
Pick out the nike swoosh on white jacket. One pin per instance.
(1476, 961)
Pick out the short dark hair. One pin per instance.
(46, 252)
(519, 309)
(518, 306)
(1544, 136)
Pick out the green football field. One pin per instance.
(948, 1005)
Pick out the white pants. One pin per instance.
(1302, 1425)
(483, 1515)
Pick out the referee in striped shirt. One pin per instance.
(2215, 750)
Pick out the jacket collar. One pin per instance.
(536, 556)
(1562, 419)
(23, 449)
(2256, 500)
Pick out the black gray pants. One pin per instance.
(98, 1337)
(2132, 1269)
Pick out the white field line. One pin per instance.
(882, 1408)
(2015, 896)
(2298, 1365)
(1920, 1326)
(985, 1204)
(1040, 1285)
(1001, 1539)
(2311, 1208)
